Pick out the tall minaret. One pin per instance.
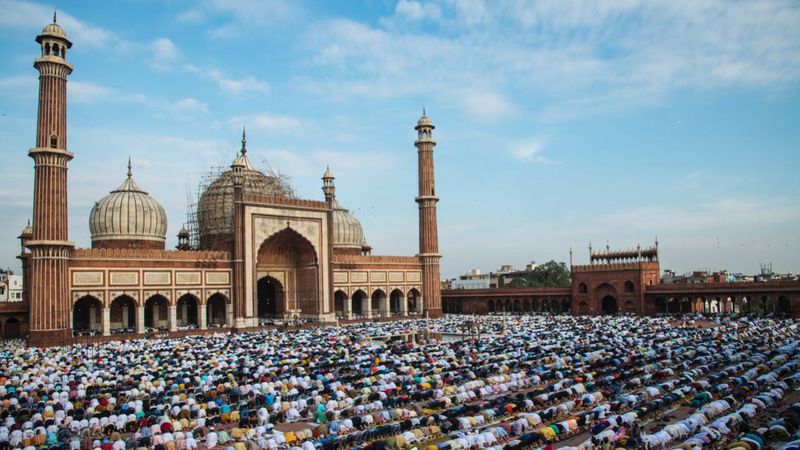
(428, 229)
(50, 310)
(241, 318)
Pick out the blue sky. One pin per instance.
(559, 122)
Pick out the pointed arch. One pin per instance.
(186, 311)
(156, 313)
(123, 315)
(339, 301)
(396, 299)
(87, 315)
(290, 253)
(216, 310)
(359, 307)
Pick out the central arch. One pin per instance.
(609, 305)
(608, 298)
(290, 257)
(270, 298)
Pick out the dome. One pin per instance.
(128, 218)
(54, 29)
(347, 231)
(424, 121)
(27, 231)
(215, 207)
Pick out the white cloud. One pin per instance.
(26, 15)
(230, 85)
(191, 16)
(87, 92)
(21, 87)
(270, 123)
(312, 163)
(530, 151)
(240, 15)
(486, 104)
(588, 57)
(414, 10)
(163, 53)
(191, 106)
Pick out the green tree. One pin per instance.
(549, 274)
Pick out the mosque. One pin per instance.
(261, 253)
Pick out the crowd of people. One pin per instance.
(512, 382)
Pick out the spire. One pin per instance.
(130, 173)
(54, 16)
(423, 111)
(244, 140)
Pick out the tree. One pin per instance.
(549, 274)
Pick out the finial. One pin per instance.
(244, 140)
(327, 167)
(130, 173)
(29, 221)
(54, 16)
(423, 111)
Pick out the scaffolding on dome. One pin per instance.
(211, 237)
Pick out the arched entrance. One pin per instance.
(395, 301)
(123, 315)
(270, 298)
(216, 311)
(378, 304)
(608, 305)
(155, 313)
(413, 298)
(11, 328)
(566, 305)
(490, 306)
(339, 300)
(359, 308)
(608, 298)
(293, 256)
(87, 315)
(187, 311)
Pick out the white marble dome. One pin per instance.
(128, 217)
(347, 231)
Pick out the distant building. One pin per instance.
(10, 287)
(473, 279)
(507, 274)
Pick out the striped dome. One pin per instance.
(347, 231)
(128, 216)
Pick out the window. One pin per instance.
(629, 286)
(582, 288)
(53, 141)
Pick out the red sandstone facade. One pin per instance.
(628, 283)
(285, 257)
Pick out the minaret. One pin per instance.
(239, 305)
(329, 190)
(50, 311)
(328, 187)
(428, 229)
